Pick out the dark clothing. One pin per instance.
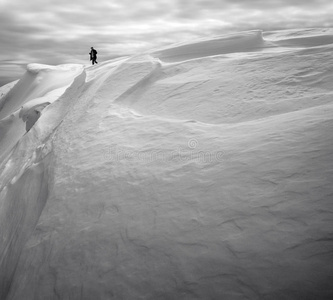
(93, 56)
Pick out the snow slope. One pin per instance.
(199, 171)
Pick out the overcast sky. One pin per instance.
(62, 31)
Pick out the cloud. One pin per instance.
(49, 31)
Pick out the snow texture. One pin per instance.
(199, 171)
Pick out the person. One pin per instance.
(93, 56)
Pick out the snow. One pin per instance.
(232, 43)
(199, 171)
(40, 86)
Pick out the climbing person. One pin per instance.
(93, 56)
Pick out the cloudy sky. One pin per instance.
(62, 31)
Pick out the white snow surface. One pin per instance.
(198, 171)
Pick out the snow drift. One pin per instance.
(198, 171)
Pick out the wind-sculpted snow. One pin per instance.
(37, 82)
(302, 38)
(22, 203)
(233, 43)
(202, 171)
(22, 106)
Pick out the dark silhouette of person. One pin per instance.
(93, 55)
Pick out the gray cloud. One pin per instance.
(48, 31)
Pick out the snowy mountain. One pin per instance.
(199, 171)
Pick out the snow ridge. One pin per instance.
(232, 43)
(199, 171)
